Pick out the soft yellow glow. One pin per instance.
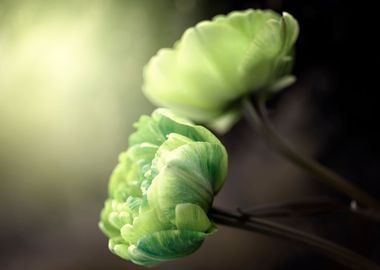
(67, 100)
(70, 89)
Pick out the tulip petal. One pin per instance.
(128, 175)
(291, 30)
(105, 226)
(147, 132)
(249, 22)
(191, 217)
(165, 245)
(173, 141)
(191, 173)
(173, 186)
(257, 65)
(224, 122)
(134, 204)
(217, 62)
(202, 61)
(168, 123)
(144, 224)
(119, 219)
(119, 247)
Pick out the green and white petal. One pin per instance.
(207, 161)
(144, 224)
(174, 186)
(192, 173)
(147, 132)
(174, 140)
(128, 175)
(165, 245)
(124, 180)
(191, 217)
(105, 225)
(120, 215)
(118, 246)
(168, 122)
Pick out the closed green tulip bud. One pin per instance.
(217, 62)
(162, 188)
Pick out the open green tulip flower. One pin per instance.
(162, 188)
(217, 62)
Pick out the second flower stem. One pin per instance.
(263, 226)
(256, 115)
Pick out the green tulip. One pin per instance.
(217, 62)
(162, 188)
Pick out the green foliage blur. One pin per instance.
(70, 89)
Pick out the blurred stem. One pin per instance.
(309, 207)
(263, 226)
(256, 115)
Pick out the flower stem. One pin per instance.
(256, 115)
(263, 226)
(309, 207)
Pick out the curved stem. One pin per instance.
(296, 209)
(257, 117)
(263, 226)
(308, 207)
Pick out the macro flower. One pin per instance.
(161, 190)
(217, 62)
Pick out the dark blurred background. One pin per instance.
(70, 80)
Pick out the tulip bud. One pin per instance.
(217, 62)
(162, 188)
